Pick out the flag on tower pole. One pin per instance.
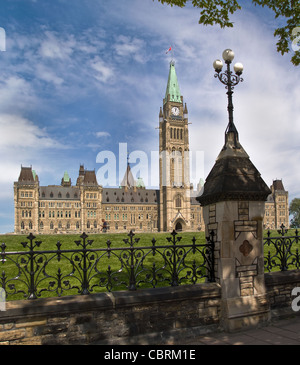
(170, 49)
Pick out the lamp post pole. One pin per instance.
(230, 80)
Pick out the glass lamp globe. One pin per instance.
(218, 64)
(238, 68)
(228, 55)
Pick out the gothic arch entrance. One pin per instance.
(179, 225)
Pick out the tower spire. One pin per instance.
(128, 179)
(172, 86)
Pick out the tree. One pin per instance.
(288, 11)
(295, 212)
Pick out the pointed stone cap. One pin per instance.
(233, 177)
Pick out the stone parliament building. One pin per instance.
(84, 207)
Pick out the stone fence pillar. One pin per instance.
(233, 203)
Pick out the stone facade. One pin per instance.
(68, 208)
(277, 207)
(84, 207)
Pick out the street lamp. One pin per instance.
(229, 79)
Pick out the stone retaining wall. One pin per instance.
(279, 287)
(106, 318)
(150, 316)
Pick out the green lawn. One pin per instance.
(49, 241)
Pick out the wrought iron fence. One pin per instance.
(283, 253)
(34, 273)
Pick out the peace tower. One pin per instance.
(174, 170)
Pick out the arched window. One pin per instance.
(59, 195)
(171, 132)
(88, 225)
(22, 225)
(178, 201)
(178, 168)
(68, 195)
(51, 225)
(30, 225)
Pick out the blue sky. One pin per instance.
(79, 77)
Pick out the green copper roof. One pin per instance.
(66, 177)
(140, 183)
(173, 86)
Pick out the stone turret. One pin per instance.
(233, 203)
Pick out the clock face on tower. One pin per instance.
(175, 110)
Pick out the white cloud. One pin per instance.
(12, 171)
(24, 143)
(102, 134)
(46, 74)
(21, 134)
(16, 93)
(127, 47)
(21, 142)
(55, 47)
(104, 72)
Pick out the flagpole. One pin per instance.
(172, 53)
